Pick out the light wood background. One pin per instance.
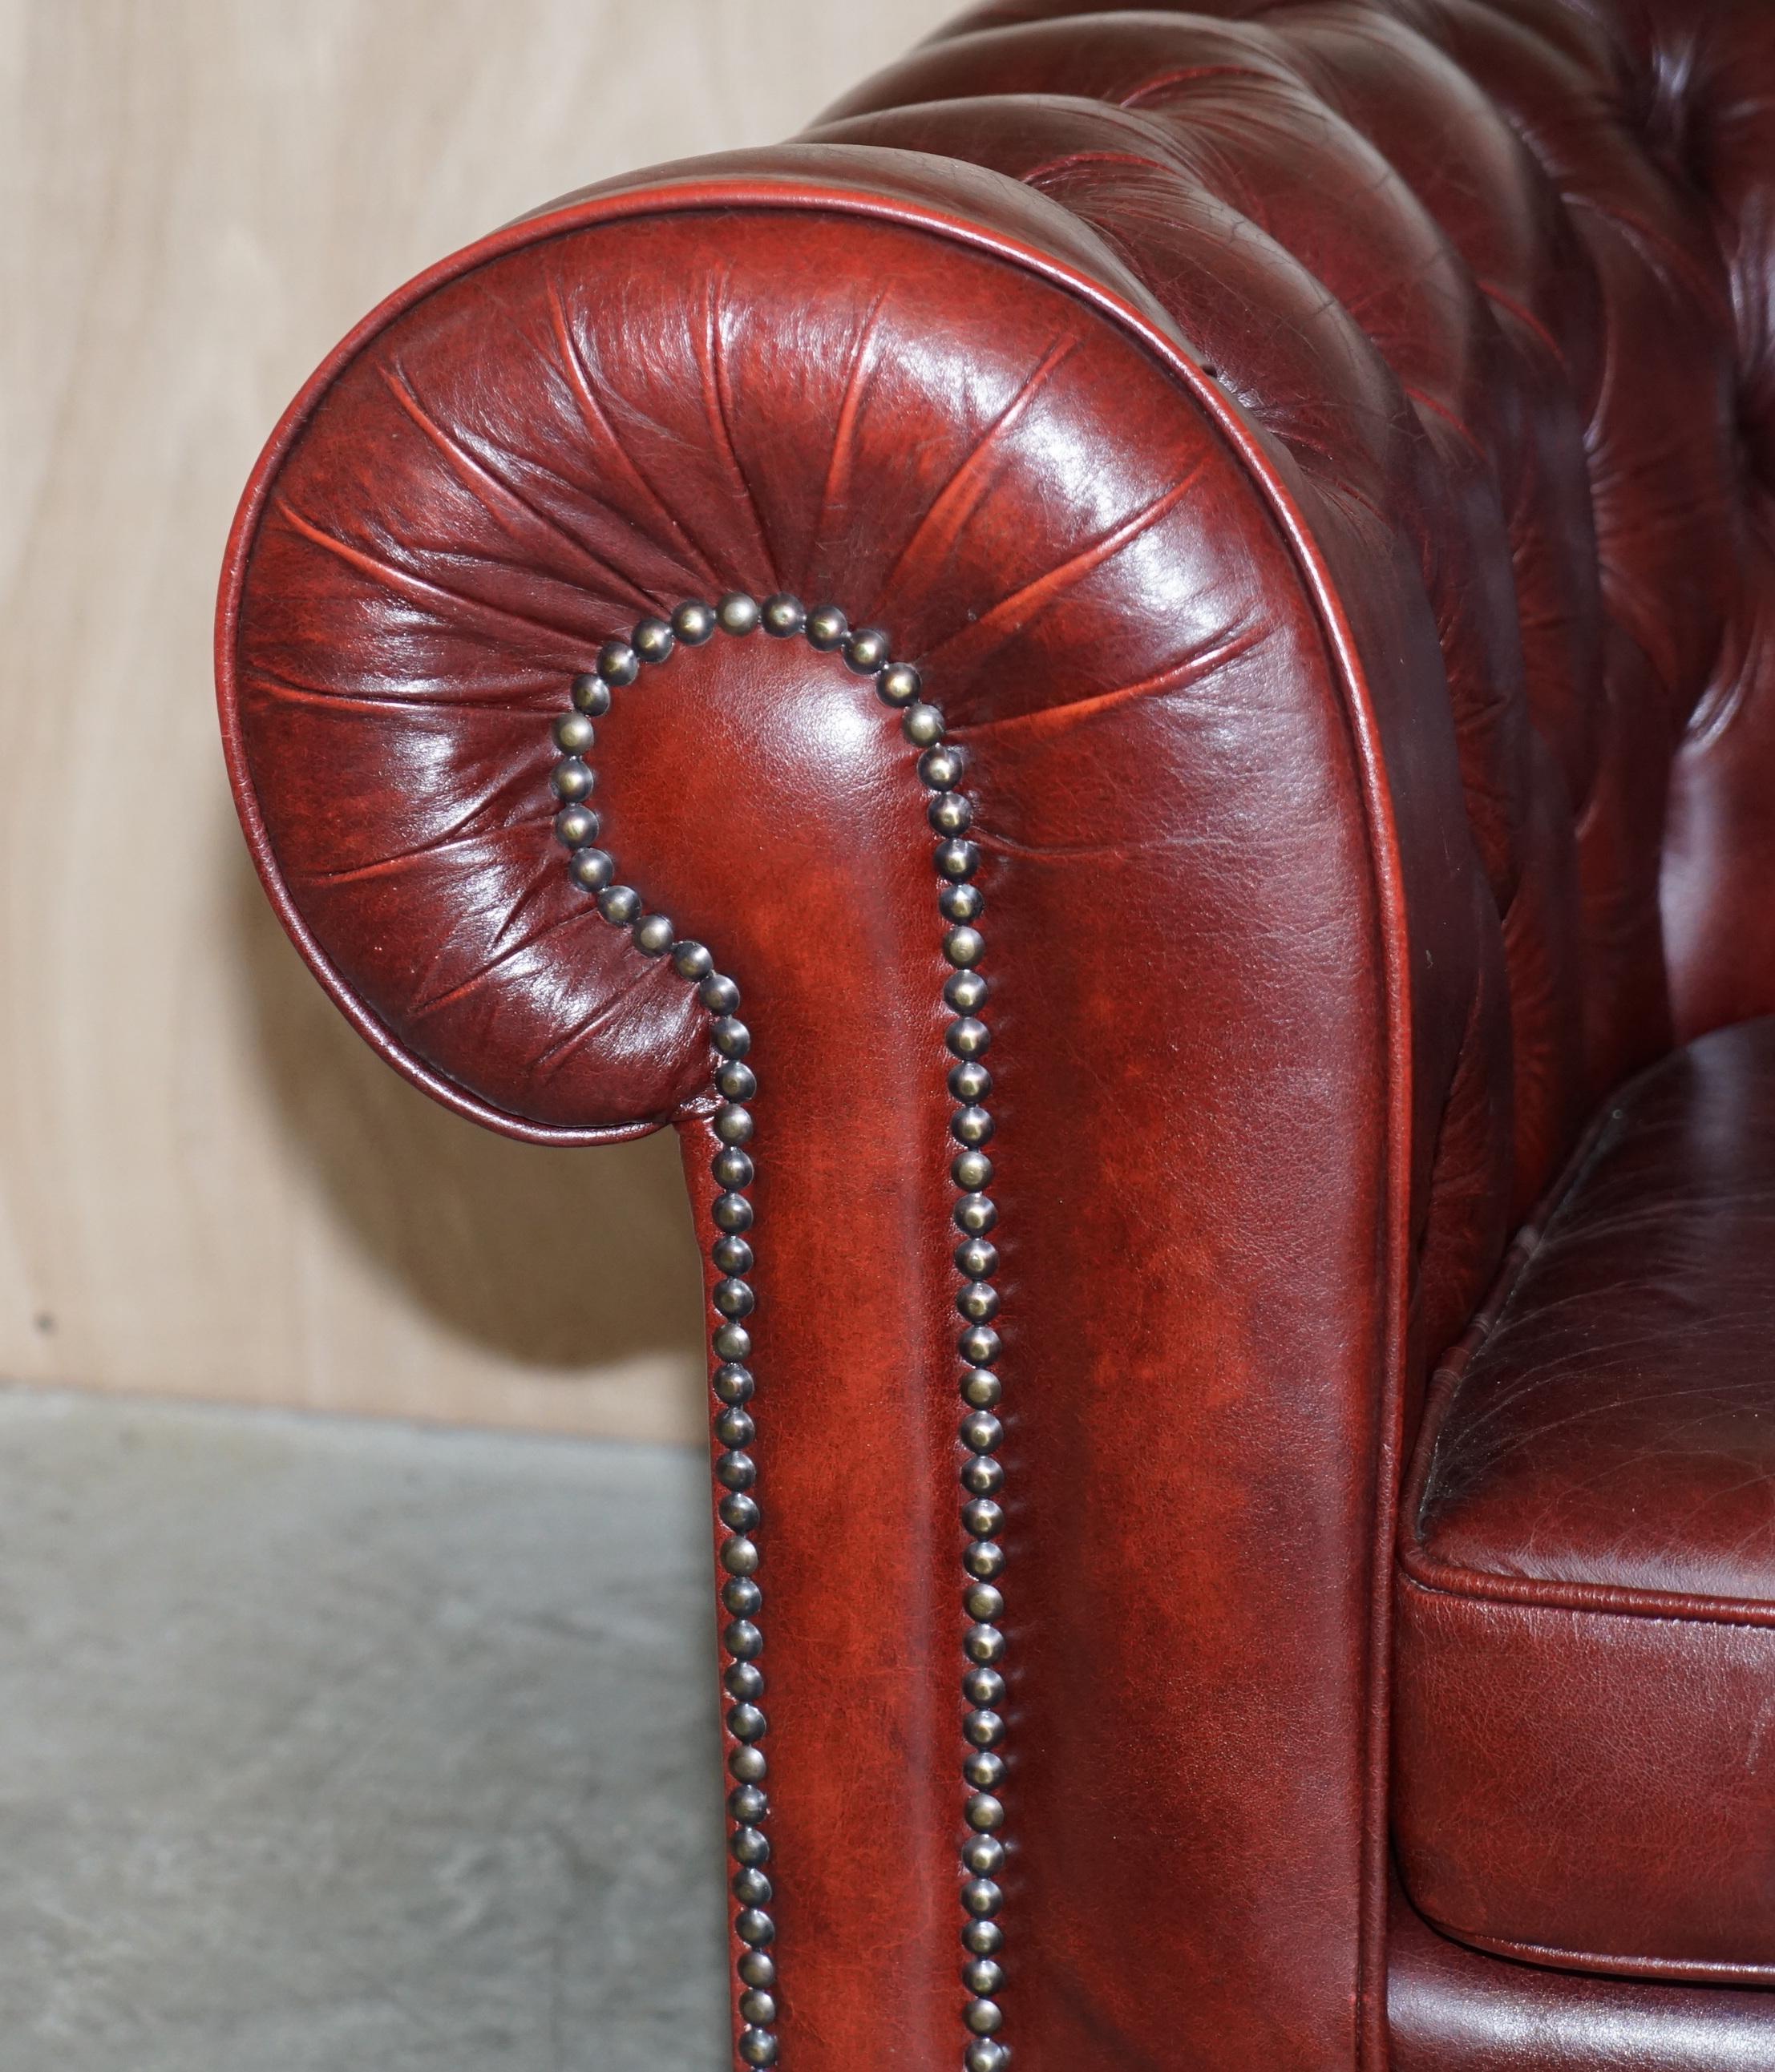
(207, 1186)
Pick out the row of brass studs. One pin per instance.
(975, 1214)
(940, 767)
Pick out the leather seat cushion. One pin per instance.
(1585, 1769)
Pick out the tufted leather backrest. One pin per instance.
(1552, 222)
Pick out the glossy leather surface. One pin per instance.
(1312, 451)
(1071, 622)
(1587, 1632)
(1608, 195)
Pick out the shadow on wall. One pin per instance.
(556, 1259)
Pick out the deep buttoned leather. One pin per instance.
(1313, 452)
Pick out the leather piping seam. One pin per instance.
(1607, 1600)
(1687, 1971)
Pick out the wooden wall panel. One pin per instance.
(207, 1186)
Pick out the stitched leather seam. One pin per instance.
(1693, 1969)
(1605, 1599)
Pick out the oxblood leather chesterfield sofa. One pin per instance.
(1228, 556)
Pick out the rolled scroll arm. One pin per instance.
(722, 654)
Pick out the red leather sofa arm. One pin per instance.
(800, 650)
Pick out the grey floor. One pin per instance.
(331, 1747)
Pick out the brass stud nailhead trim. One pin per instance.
(941, 768)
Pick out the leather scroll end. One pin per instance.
(572, 430)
